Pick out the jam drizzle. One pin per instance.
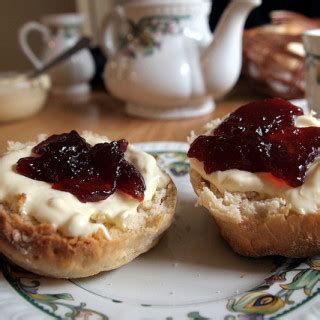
(261, 137)
(91, 173)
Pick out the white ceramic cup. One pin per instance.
(311, 41)
(60, 32)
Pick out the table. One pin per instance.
(105, 115)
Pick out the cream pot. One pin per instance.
(21, 97)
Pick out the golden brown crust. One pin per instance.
(256, 234)
(40, 249)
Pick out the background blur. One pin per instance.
(14, 13)
(260, 15)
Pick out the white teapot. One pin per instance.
(163, 60)
(60, 32)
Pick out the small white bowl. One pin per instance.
(20, 97)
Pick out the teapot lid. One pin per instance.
(64, 19)
(150, 2)
(160, 7)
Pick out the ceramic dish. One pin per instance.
(302, 103)
(192, 274)
(21, 97)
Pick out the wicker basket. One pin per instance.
(273, 55)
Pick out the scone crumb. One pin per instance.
(216, 204)
(93, 138)
(191, 137)
(21, 200)
(15, 146)
(16, 236)
(152, 206)
(207, 128)
(25, 238)
(239, 206)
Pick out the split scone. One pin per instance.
(74, 206)
(257, 171)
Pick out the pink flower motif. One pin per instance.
(84, 314)
(170, 28)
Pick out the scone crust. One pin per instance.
(40, 249)
(285, 232)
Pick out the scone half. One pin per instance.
(56, 233)
(259, 227)
(257, 171)
(39, 248)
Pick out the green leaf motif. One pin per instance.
(20, 281)
(179, 168)
(196, 316)
(177, 163)
(257, 303)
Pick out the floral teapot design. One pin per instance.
(163, 60)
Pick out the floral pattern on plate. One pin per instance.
(192, 274)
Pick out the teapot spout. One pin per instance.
(221, 61)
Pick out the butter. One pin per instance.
(304, 199)
(63, 210)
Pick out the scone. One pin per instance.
(257, 171)
(74, 206)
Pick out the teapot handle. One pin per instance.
(23, 40)
(112, 29)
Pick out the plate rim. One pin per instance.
(232, 308)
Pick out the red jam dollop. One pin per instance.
(261, 137)
(91, 173)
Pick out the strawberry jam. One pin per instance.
(261, 137)
(91, 173)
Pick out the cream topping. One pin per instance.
(15, 82)
(303, 199)
(63, 210)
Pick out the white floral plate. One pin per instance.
(302, 103)
(192, 274)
